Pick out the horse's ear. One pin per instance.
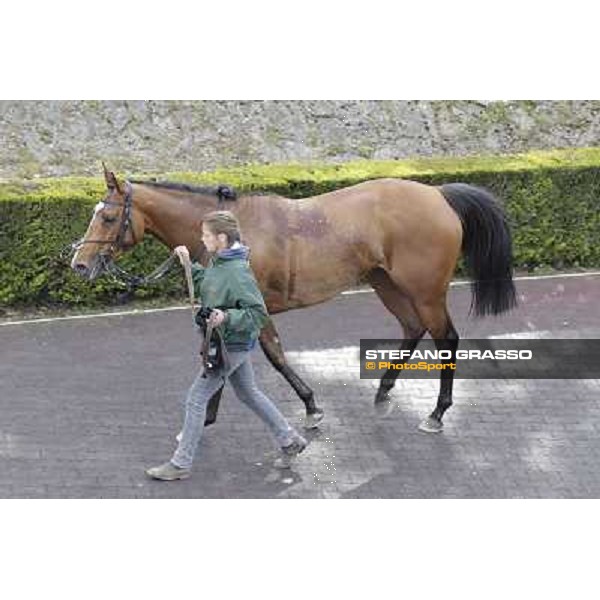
(111, 180)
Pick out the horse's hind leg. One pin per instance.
(436, 319)
(401, 307)
(271, 345)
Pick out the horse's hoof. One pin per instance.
(431, 425)
(381, 396)
(312, 420)
(384, 407)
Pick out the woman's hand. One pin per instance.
(182, 253)
(217, 317)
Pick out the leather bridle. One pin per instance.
(118, 243)
(126, 224)
(107, 263)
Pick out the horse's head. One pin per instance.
(116, 226)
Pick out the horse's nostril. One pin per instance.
(80, 269)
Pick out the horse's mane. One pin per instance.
(225, 192)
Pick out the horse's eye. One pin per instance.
(109, 219)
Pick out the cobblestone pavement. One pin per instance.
(87, 405)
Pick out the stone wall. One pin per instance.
(53, 138)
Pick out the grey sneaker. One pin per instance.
(289, 453)
(168, 472)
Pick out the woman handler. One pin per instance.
(228, 287)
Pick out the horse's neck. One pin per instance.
(175, 220)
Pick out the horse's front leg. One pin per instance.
(271, 345)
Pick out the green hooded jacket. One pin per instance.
(229, 284)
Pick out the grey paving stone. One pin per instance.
(84, 419)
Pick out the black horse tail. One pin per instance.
(487, 247)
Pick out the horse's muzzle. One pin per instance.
(81, 269)
(89, 272)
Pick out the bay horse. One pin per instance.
(403, 237)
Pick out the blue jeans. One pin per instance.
(241, 376)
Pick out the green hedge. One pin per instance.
(552, 199)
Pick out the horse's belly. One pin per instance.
(322, 280)
(315, 273)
